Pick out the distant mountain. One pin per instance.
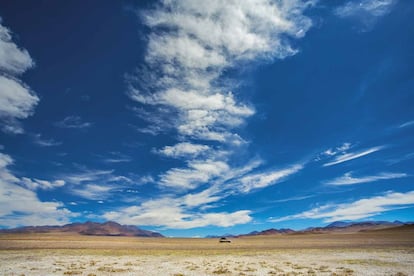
(338, 224)
(267, 232)
(271, 231)
(342, 226)
(109, 228)
(221, 236)
(334, 227)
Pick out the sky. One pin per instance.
(195, 118)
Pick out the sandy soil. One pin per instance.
(279, 255)
(287, 262)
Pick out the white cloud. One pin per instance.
(406, 124)
(20, 206)
(117, 160)
(34, 184)
(296, 198)
(186, 211)
(190, 45)
(350, 156)
(115, 157)
(169, 213)
(201, 198)
(97, 184)
(87, 176)
(348, 179)
(184, 149)
(198, 172)
(262, 180)
(334, 151)
(39, 140)
(13, 60)
(360, 209)
(95, 191)
(159, 120)
(146, 179)
(366, 12)
(365, 7)
(17, 100)
(73, 122)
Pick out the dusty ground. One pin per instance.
(383, 253)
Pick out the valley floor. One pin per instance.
(379, 253)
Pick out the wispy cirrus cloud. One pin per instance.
(366, 12)
(96, 184)
(360, 209)
(35, 184)
(44, 142)
(407, 124)
(348, 179)
(115, 157)
(95, 191)
(353, 155)
(265, 179)
(74, 122)
(198, 172)
(17, 100)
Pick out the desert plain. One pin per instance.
(383, 252)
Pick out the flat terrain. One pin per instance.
(385, 252)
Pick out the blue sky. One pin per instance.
(206, 117)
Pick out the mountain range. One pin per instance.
(337, 226)
(109, 228)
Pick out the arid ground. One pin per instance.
(386, 252)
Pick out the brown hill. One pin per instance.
(352, 227)
(268, 232)
(88, 228)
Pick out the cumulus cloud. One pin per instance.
(190, 46)
(170, 213)
(17, 197)
(353, 155)
(17, 100)
(188, 210)
(348, 179)
(360, 209)
(13, 60)
(192, 42)
(366, 11)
